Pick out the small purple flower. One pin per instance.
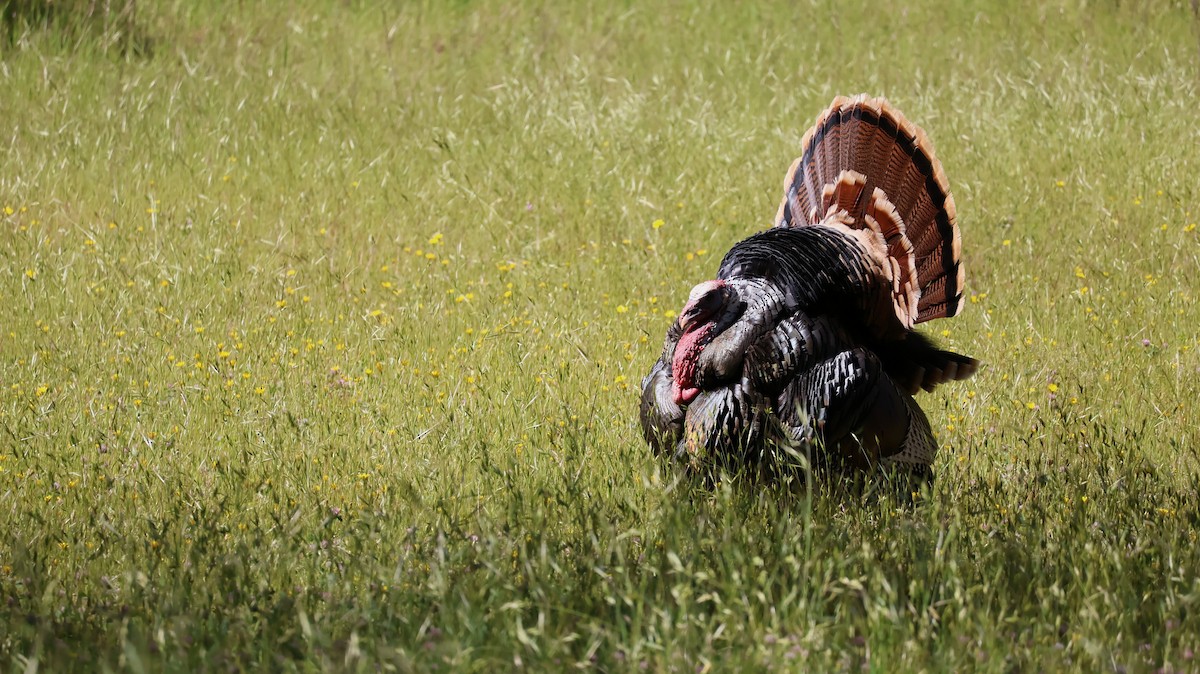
(1145, 342)
(529, 205)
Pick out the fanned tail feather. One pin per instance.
(863, 157)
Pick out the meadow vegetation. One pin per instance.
(322, 326)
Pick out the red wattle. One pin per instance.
(683, 367)
(684, 396)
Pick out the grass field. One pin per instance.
(322, 329)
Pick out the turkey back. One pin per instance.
(866, 168)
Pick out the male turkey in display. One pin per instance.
(805, 341)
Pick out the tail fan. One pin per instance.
(866, 167)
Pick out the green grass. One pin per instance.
(322, 329)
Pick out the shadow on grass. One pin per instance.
(108, 24)
(1071, 559)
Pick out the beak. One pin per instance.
(701, 308)
(690, 317)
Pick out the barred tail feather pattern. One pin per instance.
(863, 158)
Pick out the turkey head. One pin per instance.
(710, 308)
(720, 321)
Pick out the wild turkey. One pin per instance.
(805, 339)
